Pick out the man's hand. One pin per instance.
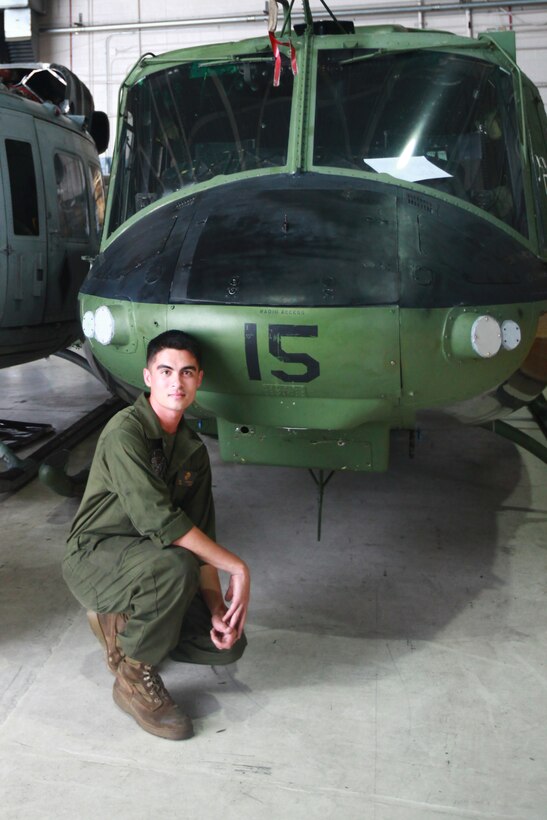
(238, 593)
(222, 635)
(227, 622)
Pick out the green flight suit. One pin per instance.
(146, 488)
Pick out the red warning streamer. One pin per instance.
(277, 56)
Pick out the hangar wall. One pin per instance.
(101, 40)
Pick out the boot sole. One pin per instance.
(164, 732)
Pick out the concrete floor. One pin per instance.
(395, 671)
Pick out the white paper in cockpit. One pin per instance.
(413, 169)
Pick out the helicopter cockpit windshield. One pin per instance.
(446, 121)
(195, 121)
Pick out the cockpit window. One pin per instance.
(537, 121)
(72, 196)
(444, 121)
(195, 121)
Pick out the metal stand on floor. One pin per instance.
(17, 434)
(21, 471)
(538, 410)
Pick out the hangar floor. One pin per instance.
(396, 670)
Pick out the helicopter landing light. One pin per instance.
(510, 335)
(88, 324)
(486, 337)
(104, 325)
(112, 326)
(475, 336)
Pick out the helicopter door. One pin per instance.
(24, 243)
(3, 245)
(69, 229)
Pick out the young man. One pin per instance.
(142, 554)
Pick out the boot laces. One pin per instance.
(154, 684)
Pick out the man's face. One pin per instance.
(173, 376)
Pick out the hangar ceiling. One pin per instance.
(101, 41)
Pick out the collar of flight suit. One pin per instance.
(153, 429)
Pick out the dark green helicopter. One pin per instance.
(51, 206)
(352, 220)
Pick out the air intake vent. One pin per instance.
(21, 52)
(421, 203)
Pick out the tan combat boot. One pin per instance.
(139, 691)
(106, 628)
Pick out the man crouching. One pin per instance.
(142, 554)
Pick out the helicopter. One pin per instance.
(51, 206)
(352, 221)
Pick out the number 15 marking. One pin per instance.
(275, 336)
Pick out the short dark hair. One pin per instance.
(175, 339)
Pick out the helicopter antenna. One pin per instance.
(307, 13)
(309, 17)
(334, 18)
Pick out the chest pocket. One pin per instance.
(185, 478)
(158, 462)
(182, 482)
(183, 487)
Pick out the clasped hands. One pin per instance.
(228, 622)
